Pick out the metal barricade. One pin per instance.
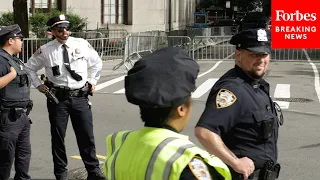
(109, 48)
(139, 46)
(97, 44)
(87, 34)
(212, 48)
(113, 33)
(30, 46)
(312, 54)
(287, 54)
(183, 42)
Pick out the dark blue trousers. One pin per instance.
(14, 145)
(81, 118)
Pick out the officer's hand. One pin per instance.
(13, 72)
(43, 88)
(93, 87)
(244, 166)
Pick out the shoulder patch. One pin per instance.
(199, 169)
(225, 98)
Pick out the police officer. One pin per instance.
(15, 105)
(66, 60)
(239, 123)
(161, 85)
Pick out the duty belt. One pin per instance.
(64, 92)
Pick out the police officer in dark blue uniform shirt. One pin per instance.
(15, 105)
(239, 123)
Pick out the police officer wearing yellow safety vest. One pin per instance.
(161, 85)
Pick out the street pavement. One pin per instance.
(294, 84)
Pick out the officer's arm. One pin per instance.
(35, 63)
(5, 77)
(213, 143)
(219, 117)
(94, 64)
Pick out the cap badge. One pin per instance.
(62, 17)
(262, 35)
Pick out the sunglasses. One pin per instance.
(61, 29)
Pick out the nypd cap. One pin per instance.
(59, 21)
(165, 78)
(11, 31)
(256, 40)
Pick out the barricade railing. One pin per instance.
(87, 34)
(109, 48)
(211, 48)
(113, 33)
(139, 46)
(30, 46)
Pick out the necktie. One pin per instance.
(74, 75)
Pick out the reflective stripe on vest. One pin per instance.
(169, 163)
(114, 142)
(153, 153)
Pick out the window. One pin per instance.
(112, 11)
(42, 3)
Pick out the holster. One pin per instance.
(270, 171)
(29, 107)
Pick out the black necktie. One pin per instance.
(75, 76)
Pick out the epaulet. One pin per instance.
(48, 44)
(230, 80)
(76, 39)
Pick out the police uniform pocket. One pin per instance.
(79, 64)
(265, 121)
(4, 140)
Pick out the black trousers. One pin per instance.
(81, 119)
(14, 145)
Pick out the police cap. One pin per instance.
(59, 21)
(11, 31)
(165, 78)
(256, 40)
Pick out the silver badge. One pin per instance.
(262, 35)
(62, 17)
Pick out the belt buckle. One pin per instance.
(73, 93)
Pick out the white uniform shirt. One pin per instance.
(82, 58)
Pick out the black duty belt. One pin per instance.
(23, 110)
(63, 92)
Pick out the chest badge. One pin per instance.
(77, 51)
(225, 98)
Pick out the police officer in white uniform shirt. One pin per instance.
(66, 61)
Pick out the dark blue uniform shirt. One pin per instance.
(4, 65)
(239, 109)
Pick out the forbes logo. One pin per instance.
(296, 16)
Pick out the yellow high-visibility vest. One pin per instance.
(153, 154)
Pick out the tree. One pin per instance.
(20, 13)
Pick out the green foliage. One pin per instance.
(6, 19)
(39, 21)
